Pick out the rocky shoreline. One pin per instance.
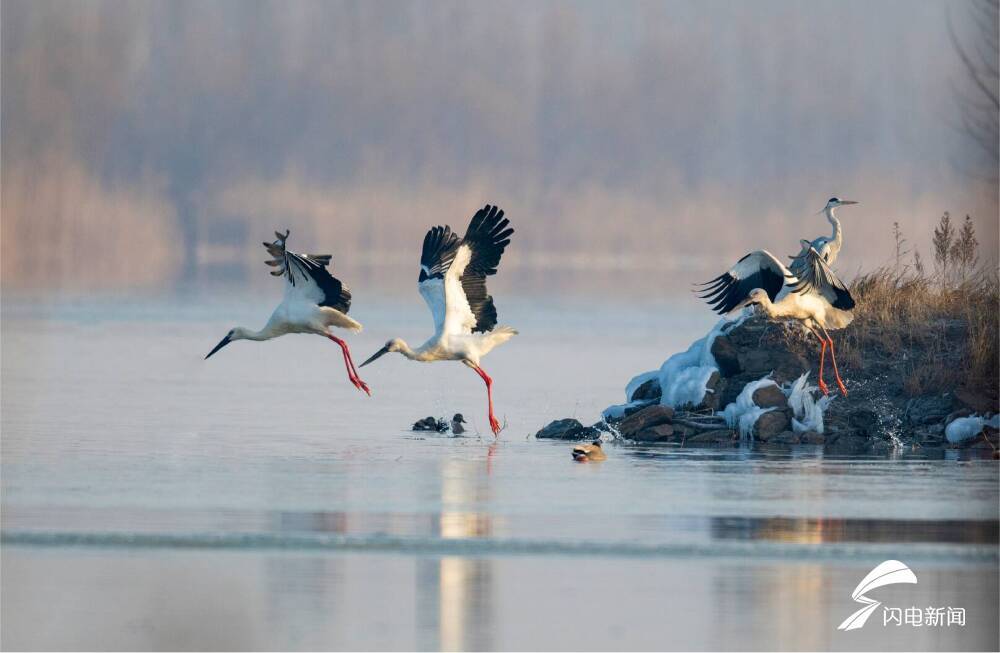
(756, 392)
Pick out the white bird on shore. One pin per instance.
(314, 302)
(828, 247)
(452, 281)
(815, 297)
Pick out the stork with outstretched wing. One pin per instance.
(314, 302)
(813, 296)
(452, 281)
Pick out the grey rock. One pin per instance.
(770, 424)
(650, 390)
(632, 410)
(784, 364)
(770, 396)
(732, 388)
(785, 437)
(564, 429)
(928, 409)
(812, 437)
(659, 433)
(726, 356)
(721, 436)
(711, 399)
(649, 416)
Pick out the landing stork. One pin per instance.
(314, 302)
(815, 297)
(452, 281)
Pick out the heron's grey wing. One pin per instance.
(797, 261)
(759, 269)
(817, 276)
(436, 258)
(470, 307)
(308, 276)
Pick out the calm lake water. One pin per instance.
(153, 500)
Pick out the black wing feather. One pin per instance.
(336, 295)
(440, 246)
(314, 266)
(726, 291)
(487, 237)
(815, 272)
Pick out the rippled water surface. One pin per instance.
(155, 500)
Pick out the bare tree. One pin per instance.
(980, 98)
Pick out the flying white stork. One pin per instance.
(314, 302)
(828, 247)
(452, 281)
(815, 296)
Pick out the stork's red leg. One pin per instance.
(494, 424)
(836, 372)
(822, 358)
(352, 374)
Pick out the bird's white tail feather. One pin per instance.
(838, 319)
(503, 333)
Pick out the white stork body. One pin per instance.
(814, 297)
(314, 302)
(452, 281)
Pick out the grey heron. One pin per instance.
(827, 246)
(314, 302)
(452, 281)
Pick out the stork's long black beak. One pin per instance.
(222, 343)
(380, 352)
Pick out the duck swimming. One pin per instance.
(584, 452)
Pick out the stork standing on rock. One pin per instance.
(314, 302)
(814, 296)
(452, 281)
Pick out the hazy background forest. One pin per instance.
(155, 144)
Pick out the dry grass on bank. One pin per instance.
(939, 331)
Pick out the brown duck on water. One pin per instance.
(585, 452)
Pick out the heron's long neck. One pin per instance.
(838, 234)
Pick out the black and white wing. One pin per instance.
(453, 272)
(815, 275)
(307, 275)
(440, 247)
(758, 269)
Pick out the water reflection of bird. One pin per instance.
(815, 297)
(314, 302)
(592, 452)
(828, 247)
(452, 281)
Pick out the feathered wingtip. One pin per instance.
(277, 250)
